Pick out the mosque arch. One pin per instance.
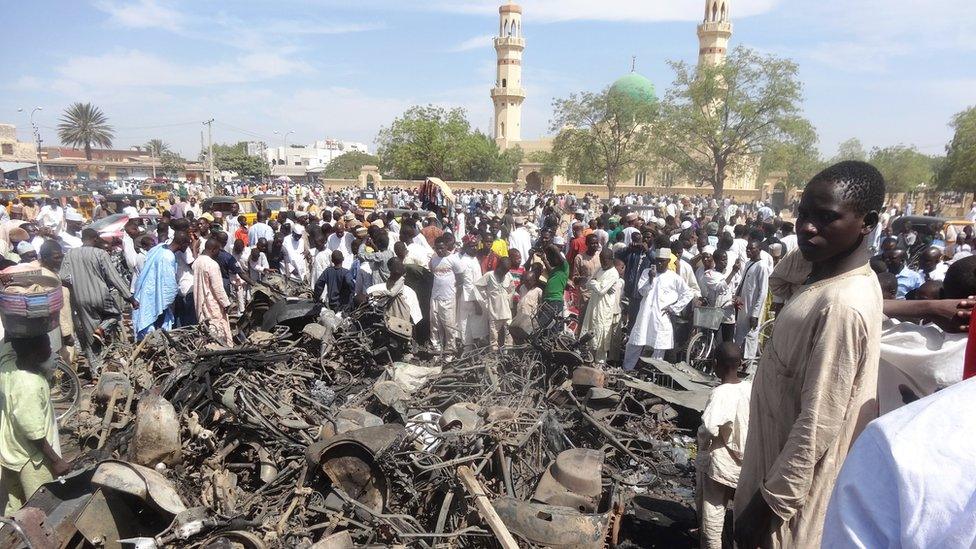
(533, 181)
(715, 11)
(724, 16)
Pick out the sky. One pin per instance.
(885, 71)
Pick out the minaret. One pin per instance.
(508, 93)
(714, 32)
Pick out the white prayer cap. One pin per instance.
(298, 229)
(664, 253)
(686, 224)
(73, 216)
(24, 247)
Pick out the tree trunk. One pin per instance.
(87, 150)
(719, 185)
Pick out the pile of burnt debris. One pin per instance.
(327, 433)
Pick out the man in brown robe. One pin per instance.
(816, 385)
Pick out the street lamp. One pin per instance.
(37, 139)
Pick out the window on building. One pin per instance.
(503, 129)
(640, 179)
(8, 148)
(504, 83)
(298, 163)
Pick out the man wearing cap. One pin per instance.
(88, 272)
(662, 293)
(70, 237)
(295, 263)
(630, 227)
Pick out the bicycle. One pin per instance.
(706, 322)
(65, 391)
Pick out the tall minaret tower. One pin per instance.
(508, 93)
(714, 32)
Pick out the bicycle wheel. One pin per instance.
(65, 390)
(699, 354)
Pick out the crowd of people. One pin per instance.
(868, 319)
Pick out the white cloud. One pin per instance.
(135, 68)
(870, 35)
(481, 42)
(141, 14)
(607, 10)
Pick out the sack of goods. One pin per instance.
(29, 303)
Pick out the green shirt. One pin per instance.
(26, 412)
(556, 284)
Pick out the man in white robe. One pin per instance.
(665, 293)
(605, 288)
(750, 301)
(472, 321)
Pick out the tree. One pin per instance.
(434, 141)
(551, 164)
(850, 150)
(603, 137)
(348, 165)
(717, 120)
(156, 147)
(798, 160)
(481, 160)
(83, 124)
(234, 158)
(903, 168)
(958, 171)
(172, 164)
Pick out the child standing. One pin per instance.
(495, 290)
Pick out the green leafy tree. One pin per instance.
(551, 163)
(903, 167)
(157, 147)
(172, 164)
(423, 142)
(958, 171)
(234, 158)
(797, 160)
(852, 149)
(603, 137)
(348, 165)
(433, 141)
(84, 124)
(716, 120)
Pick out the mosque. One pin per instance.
(508, 95)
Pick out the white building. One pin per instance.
(313, 157)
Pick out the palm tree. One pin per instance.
(83, 124)
(157, 147)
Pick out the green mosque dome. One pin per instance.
(635, 87)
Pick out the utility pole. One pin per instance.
(37, 140)
(152, 156)
(209, 124)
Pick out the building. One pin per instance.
(68, 164)
(508, 94)
(18, 160)
(302, 162)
